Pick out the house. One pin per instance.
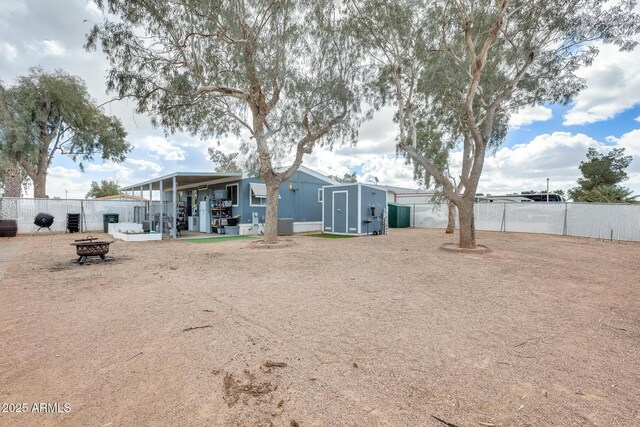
(214, 202)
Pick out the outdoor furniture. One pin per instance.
(91, 246)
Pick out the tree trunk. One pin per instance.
(271, 217)
(451, 224)
(40, 185)
(13, 180)
(467, 226)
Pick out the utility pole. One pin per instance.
(547, 190)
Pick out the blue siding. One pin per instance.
(352, 201)
(369, 197)
(302, 204)
(372, 197)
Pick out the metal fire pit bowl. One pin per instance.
(91, 246)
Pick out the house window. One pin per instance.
(232, 194)
(257, 194)
(320, 195)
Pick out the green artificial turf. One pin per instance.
(219, 239)
(331, 236)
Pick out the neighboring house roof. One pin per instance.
(402, 190)
(121, 197)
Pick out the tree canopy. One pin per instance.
(608, 193)
(46, 113)
(347, 178)
(104, 188)
(224, 162)
(470, 64)
(600, 175)
(281, 71)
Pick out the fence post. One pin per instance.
(564, 227)
(414, 215)
(503, 225)
(81, 215)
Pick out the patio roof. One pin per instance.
(182, 179)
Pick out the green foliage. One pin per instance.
(224, 162)
(467, 65)
(46, 113)
(347, 178)
(607, 193)
(103, 189)
(281, 70)
(601, 170)
(59, 104)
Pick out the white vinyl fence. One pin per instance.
(25, 210)
(616, 221)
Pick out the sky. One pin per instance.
(543, 142)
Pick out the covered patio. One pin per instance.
(173, 183)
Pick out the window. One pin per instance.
(257, 194)
(320, 195)
(232, 194)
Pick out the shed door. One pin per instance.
(340, 212)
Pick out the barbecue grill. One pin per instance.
(91, 246)
(43, 220)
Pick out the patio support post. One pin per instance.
(149, 203)
(161, 208)
(175, 208)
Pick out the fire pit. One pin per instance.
(91, 246)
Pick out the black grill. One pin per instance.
(43, 220)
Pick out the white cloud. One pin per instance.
(62, 172)
(93, 8)
(157, 146)
(65, 182)
(8, 51)
(528, 115)
(555, 156)
(105, 167)
(145, 165)
(53, 48)
(613, 86)
(630, 141)
(637, 119)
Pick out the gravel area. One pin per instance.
(386, 330)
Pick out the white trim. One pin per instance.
(323, 206)
(251, 193)
(358, 229)
(333, 211)
(306, 226)
(237, 185)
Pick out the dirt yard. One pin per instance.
(384, 330)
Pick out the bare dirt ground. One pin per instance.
(388, 330)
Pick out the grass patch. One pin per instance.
(219, 239)
(331, 236)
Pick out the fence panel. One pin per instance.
(24, 211)
(605, 221)
(616, 221)
(488, 216)
(544, 218)
(430, 216)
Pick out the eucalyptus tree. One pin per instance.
(50, 113)
(472, 63)
(11, 175)
(281, 71)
